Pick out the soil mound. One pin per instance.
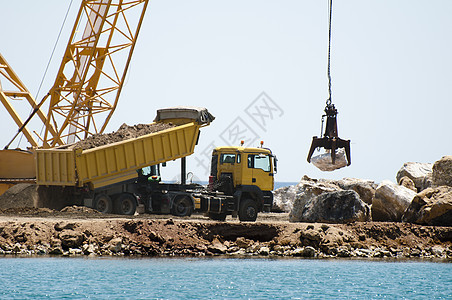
(20, 195)
(74, 209)
(27, 212)
(124, 132)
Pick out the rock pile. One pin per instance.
(421, 195)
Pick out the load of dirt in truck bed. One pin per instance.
(124, 132)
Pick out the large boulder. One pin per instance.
(295, 197)
(332, 207)
(306, 190)
(325, 163)
(365, 188)
(419, 173)
(442, 171)
(432, 206)
(390, 201)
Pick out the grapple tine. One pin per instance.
(314, 145)
(347, 153)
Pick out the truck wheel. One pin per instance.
(248, 210)
(126, 204)
(103, 203)
(217, 217)
(182, 206)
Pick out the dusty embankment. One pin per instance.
(77, 231)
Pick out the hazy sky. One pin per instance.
(391, 70)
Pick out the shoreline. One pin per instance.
(229, 257)
(49, 234)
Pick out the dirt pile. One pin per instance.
(20, 195)
(124, 132)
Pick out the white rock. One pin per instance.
(115, 245)
(324, 162)
(390, 201)
(264, 250)
(283, 198)
(437, 250)
(298, 251)
(420, 173)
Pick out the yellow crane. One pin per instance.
(86, 89)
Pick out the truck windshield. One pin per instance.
(227, 158)
(259, 161)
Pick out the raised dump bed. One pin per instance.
(117, 162)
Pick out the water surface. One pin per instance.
(187, 278)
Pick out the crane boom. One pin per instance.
(91, 75)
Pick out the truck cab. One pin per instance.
(246, 174)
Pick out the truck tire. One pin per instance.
(182, 206)
(125, 204)
(248, 211)
(103, 203)
(216, 216)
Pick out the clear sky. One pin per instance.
(391, 70)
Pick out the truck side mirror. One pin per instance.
(275, 163)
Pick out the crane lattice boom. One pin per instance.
(91, 75)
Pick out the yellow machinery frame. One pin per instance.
(89, 81)
(19, 91)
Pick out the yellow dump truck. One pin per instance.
(121, 176)
(240, 184)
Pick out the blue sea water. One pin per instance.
(221, 278)
(280, 184)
